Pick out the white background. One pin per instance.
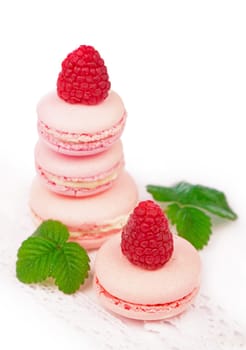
(180, 67)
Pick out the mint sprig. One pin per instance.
(191, 223)
(190, 208)
(195, 195)
(48, 254)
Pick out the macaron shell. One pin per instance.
(143, 312)
(81, 167)
(78, 118)
(91, 243)
(175, 280)
(118, 201)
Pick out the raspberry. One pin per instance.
(146, 239)
(84, 77)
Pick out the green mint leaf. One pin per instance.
(35, 260)
(53, 230)
(206, 198)
(199, 196)
(162, 194)
(191, 223)
(172, 211)
(195, 226)
(48, 254)
(71, 267)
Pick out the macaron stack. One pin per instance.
(79, 159)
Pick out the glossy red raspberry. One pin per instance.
(146, 239)
(84, 77)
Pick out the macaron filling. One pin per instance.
(85, 185)
(92, 231)
(81, 142)
(147, 308)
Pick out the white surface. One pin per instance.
(180, 69)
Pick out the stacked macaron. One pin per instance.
(79, 159)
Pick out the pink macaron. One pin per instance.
(78, 176)
(144, 294)
(79, 129)
(90, 220)
(147, 273)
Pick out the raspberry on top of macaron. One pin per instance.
(84, 78)
(146, 239)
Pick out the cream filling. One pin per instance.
(77, 183)
(116, 224)
(77, 138)
(93, 230)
